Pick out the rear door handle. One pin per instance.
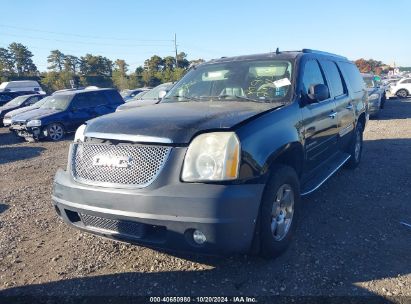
(349, 107)
(332, 115)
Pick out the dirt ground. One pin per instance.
(350, 240)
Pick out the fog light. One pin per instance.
(199, 237)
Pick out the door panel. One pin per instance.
(320, 131)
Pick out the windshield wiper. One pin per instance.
(184, 97)
(223, 96)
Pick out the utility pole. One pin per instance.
(175, 47)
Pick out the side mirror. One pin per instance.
(318, 92)
(161, 94)
(74, 109)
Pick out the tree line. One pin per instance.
(63, 69)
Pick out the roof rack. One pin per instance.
(322, 53)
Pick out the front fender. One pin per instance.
(266, 137)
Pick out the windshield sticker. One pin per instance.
(281, 83)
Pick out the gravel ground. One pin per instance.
(350, 240)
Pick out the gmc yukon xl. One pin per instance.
(219, 166)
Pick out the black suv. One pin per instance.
(64, 112)
(220, 164)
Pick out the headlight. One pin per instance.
(34, 123)
(373, 96)
(212, 157)
(79, 136)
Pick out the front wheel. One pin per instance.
(55, 132)
(279, 209)
(356, 147)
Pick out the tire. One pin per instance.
(283, 183)
(402, 93)
(383, 99)
(55, 132)
(356, 147)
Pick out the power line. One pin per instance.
(83, 42)
(83, 36)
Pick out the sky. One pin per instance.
(136, 30)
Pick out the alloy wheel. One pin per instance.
(282, 212)
(56, 132)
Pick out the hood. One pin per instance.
(35, 114)
(21, 110)
(178, 121)
(8, 108)
(137, 103)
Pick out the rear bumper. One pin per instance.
(163, 217)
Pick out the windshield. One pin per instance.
(251, 80)
(369, 82)
(57, 102)
(137, 97)
(17, 101)
(153, 93)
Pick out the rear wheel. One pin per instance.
(279, 210)
(55, 132)
(402, 93)
(356, 147)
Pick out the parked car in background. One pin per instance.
(402, 88)
(129, 94)
(137, 97)
(8, 118)
(149, 98)
(5, 97)
(19, 102)
(63, 112)
(376, 95)
(219, 165)
(21, 85)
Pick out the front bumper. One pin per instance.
(163, 216)
(23, 131)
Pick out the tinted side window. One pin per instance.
(33, 100)
(80, 101)
(407, 81)
(334, 77)
(97, 99)
(114, 97)
(312, 75)
(352, 75)
(89, 100)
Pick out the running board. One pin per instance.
(328, 170)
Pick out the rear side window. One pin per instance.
(334, 77)
(352, 75)
(312, 75)
(89, 100)
(114, 97)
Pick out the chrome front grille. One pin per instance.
(124, 165)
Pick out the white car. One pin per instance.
(402, 88)
(21, 85)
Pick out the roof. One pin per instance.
(284, 55)
(74, 92)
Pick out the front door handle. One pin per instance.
(332, 115)
(349, 107)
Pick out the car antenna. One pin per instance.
(277, 51)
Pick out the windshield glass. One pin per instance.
(251, 80)
(57, 102)
(17, 101)
(153, 93)
(369, 82)
(137, 97)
